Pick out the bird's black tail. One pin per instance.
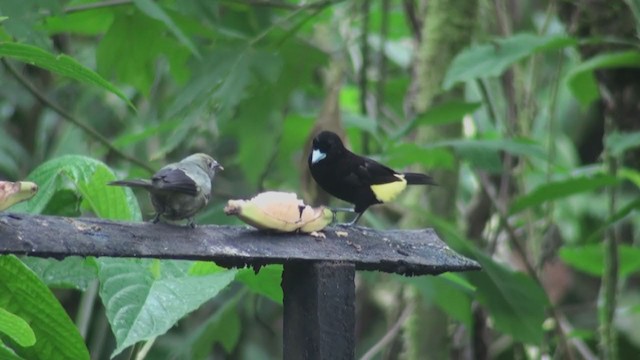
(419, 179)
(145, 184)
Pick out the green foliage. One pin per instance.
(492, 59)
(563, 188)
(247, 83)
(16, 329)
(56, 336)
(590, 259)
(88, 178)
(581, 80)
(60, 64)
(69, 273)
(145, 298)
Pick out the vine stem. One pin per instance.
(609, 284)
(72, 119)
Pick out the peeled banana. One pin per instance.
(280, 211)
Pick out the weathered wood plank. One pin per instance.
(319, 310)
(409, 252)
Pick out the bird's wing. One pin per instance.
(371, 172)
(175, 180)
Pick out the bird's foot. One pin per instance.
(352, 222)
(191, 223)
(156, 219)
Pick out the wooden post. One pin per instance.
(319, 310)
(318, 278)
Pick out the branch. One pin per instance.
(513, 239)
(408, 252)
(390, 335)
(84, 127)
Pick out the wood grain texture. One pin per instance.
(407, 252)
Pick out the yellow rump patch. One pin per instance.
(389, 191)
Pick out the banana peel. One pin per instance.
(281, 212)
(12, 193)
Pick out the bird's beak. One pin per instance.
(218, 167)
(317, 155)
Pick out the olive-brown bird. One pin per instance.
(179, 190)
(356, 179)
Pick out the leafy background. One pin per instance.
(525, 112)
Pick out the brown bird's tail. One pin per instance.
(137, 183)
(419, 179)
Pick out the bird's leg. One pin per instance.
(354, 221)
(156, 218)
(191, 223)
(350, 210)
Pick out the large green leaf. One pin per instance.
(7, 353)
(144, 298)
(16, 328)
(590, 258)
(449, 295)
(561, 189)
(60, 64)
(514, 301)
(145, 42)
(492, 59)
(485, 153)
(222, 327)
(155, 11)
(405, 154)
(72, 272)
(89, 178)
(618, 142)
(23, 294)
(266, 282)
(581, 79)
(449, 112)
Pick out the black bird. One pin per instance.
(356, 179)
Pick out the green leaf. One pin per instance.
(87, 176)
(145, 42)
(7, 354)
(590, 258)
(266, 282)
(16, 328)
(514, 301)
(614, 218)
(155, 11)
(222, 327)
(72, 272)
(485, 153)
(492, 59)
(93, 22)
(403, 154)
(144, 298)
(23, 294)
(449, 295)
(561, 189)
(618, 142)
(447, 113)
(581, 79)
(59, 64)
